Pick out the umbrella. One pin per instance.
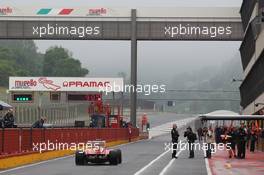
(4, 105)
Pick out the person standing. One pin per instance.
(209, 140)
(205, 131)
(217, 134)
(39, 123)
(241, 146)
(191, 137)
(233, 140)
(253, 139)
(9, 119)
(174, 137)
(200, 134)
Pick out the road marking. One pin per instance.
(34, 164)
(208, 169)
(150, 163)
(60, 158)
(169, 164)
(124, 144)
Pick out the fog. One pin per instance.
(157, 60)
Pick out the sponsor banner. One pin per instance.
(180, 14)
(226, 13)
(60, 12)
(6, 10)
(62, 83)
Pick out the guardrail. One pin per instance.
(21, 140)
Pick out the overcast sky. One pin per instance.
(156, 60)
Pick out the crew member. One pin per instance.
(129, 132)
(200, 134)
(210, 140)
(233, 141)
(174, 137)
(9, 119)
(1, 122)
(253, 139)
(241, 146)
(191, 137)
(39, 123)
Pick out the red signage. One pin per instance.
(97, 11)
(93, 97)
(5, 10)
(84, 97)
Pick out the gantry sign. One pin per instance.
(115, 24)
(220, 24)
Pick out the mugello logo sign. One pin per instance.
(97, 11)
(6, 10)
(62, 83)
(47, 11)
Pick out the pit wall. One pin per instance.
(17, 145)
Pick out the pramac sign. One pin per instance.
(62, 83)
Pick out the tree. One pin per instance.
(24, 55)
(59, 62)
(5, 72)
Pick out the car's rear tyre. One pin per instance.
(79, 158)
(119, 153)
(113, 157)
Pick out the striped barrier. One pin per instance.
(49, 11)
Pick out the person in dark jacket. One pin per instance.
(9, 119)
(217, 134)
(241, 145)
(174, 137)
(39, 123)
(191, 137)
(233, 140)
(200, 134)
(1, 122)
(253, 139)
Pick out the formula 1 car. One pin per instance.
(96, 152)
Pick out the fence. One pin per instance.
(21, 140)
(55, 114)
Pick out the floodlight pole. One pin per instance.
(133, 93)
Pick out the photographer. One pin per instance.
(191, 137)
(9, 119)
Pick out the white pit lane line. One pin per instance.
(156, 159)
(208, 169)
(165, 169)
(34, 164)
(150, 163)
